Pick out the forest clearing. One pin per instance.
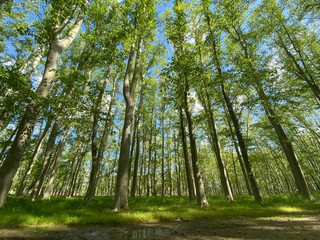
(144, 118)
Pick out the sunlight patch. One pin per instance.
(289, 209)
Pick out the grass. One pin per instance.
(72, 211)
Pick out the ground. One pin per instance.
(302, 228)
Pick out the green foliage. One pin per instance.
(72, 211)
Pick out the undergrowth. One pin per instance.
(20, 211)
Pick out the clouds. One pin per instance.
(196, 106)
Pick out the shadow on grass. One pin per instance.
(73, 211)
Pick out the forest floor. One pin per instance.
(299, 226)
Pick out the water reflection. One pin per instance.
(145, 233)
(92, 233)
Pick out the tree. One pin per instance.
(214, 34)
(142, 22)
(248, 61)
(27, 123)
(182, 69)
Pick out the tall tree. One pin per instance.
(27, 123)
(236, 33)
(182, 70)
(142, 22)
(214, 34)
(121, 196)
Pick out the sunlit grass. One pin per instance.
(73, 211)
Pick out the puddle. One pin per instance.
(145, 233)
(96, 233)
(118, 234)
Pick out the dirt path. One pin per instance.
(302, 228)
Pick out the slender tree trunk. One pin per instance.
(75, 172)
(239, 190)
(178, 172)
(121, 194)
(243, 148)
(77, 180)
(190, 182)
(201, 196)
(169, 163)
(33, 159)
(95, 163)
(240, 158)
(58, 155)
(162, 150)
(149, 158)
(138, 130)
(134, 184)
(36, 56)
(287, 147)
(216, 146)
(142, 172)
(10, 165)
(154, 175)
(47, 159)
(79, 148)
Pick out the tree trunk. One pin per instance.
(201, 196)
(95, 163)
(33, 159)
(30, 65)
(190, 182)
(56, 164)
(216, 146)
(75, 171)
(103, 141)
(150, 156)
(137, 152)
(162, 149)
(178, 171)
(286, 145)
(4, 118)
(243, 148)
(154, 175)
(47, 159)
(121, 194)
(240, 158)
